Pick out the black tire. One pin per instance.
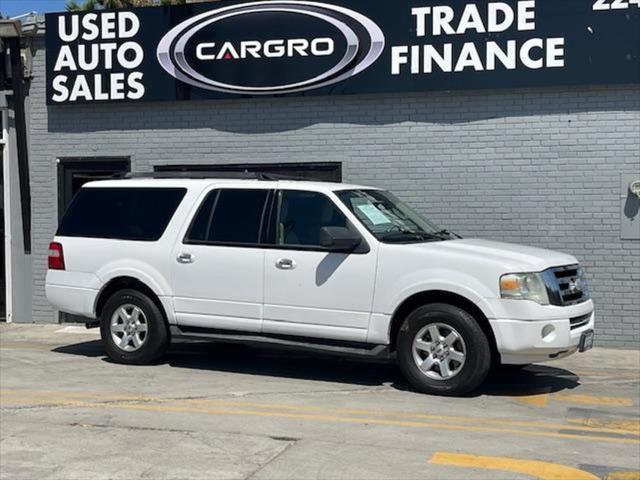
(156, 338)
(477, 362)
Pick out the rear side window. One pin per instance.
(121, 213)
(229, 217)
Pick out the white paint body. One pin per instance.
(327, 295)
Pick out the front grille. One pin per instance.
(566, 285)
(581, 321)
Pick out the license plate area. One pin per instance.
(586, 341)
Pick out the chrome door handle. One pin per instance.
(185, 258)
(285, 264)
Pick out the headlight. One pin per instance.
(524, 286)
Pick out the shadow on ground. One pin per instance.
(272, 362)
(529, 380)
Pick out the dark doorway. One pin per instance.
(318, 171)
(73, 173)
(3, 270)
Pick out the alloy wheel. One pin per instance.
(129, 328)
(439, 351)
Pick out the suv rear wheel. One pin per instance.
(442, 350)
(133, 328)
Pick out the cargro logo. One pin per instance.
(272, 47)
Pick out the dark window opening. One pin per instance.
(73, 173)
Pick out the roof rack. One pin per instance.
(203, 174)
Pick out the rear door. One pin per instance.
(308, 290)
(218, 266)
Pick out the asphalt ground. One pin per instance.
(214, 411)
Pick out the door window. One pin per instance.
(229, 217)
(301, 215)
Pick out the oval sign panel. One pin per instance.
(267, 48)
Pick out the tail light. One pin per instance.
(56, 257)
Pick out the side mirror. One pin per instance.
(339, 239)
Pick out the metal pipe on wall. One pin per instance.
(17, 85)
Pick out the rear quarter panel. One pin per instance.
(97, 261)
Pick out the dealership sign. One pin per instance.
(330, 44)
(232, 49)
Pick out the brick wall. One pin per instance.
(537, 166)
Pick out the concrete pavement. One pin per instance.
(237, 412)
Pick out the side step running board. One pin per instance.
(335, 347)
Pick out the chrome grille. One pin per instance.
(566, 285)
(581, 321)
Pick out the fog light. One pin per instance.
(548, 333)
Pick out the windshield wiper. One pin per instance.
(402, 234)
(449, 233)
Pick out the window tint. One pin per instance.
(303, 214)
(121, 213)
(200, 226)
(229, 216)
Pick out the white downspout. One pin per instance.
(4, 145)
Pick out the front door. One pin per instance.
(309, 291)
(218, 267)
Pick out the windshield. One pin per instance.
(389, 219)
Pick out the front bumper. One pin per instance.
(521, 341)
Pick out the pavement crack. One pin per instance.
(290, 443)
(73, 403)
(32, 407)
(284, 439)
(128, 427)
(342, 391)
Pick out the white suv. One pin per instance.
(341, 268)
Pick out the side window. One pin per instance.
(228, 217)
(301, 215)
(125, 213)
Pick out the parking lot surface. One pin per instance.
(216, 411)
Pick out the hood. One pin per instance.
(511, 257)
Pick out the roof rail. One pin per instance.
(203, 174)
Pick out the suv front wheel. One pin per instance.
(133, 329)
(442, 350)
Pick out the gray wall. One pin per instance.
(540, 167)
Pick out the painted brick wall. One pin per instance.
(540, 167)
